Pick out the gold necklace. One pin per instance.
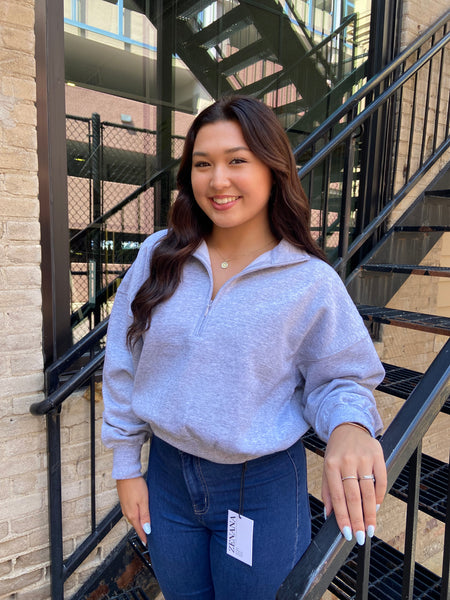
(226, 261)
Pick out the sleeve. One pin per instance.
(339, 365)
(122, 430)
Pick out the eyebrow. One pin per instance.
(229, 151)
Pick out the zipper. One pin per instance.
(203, 319)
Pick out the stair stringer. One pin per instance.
(431, 207)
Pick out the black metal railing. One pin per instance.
(60, 387)
(402, 438)
(107, 246)
(338, 158)
(401, 442)
(113, 207)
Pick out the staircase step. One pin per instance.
(404, 318)
(433, 480)
(408, 269)
(433, 487)
(386, 571)
(422, 228)
(398, 381)
(134, 594)
(266, 84)
(245, 57)
(221, 29)
(187, 10)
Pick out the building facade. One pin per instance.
(36, 297)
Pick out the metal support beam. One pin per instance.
(52, 164)
(165, 23)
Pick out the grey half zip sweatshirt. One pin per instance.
(280, 348)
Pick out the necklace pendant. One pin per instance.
(224, 265)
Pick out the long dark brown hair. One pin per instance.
(289, 212)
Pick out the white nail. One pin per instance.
(147, 528)
(370, 531)
(360, 537)
(325, 514)
(377, 507)
(347, 533)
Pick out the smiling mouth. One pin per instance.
(227, 200)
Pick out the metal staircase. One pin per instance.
(258, 48)
(376, 571)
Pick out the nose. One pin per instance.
(219, 178)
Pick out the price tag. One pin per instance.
(240, 537)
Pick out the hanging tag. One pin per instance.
(240, 537)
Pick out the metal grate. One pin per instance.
(408, 269)
(433, 487)
(433, 480)
(398, 381)
(405, 318)
(422, 228)
(386, 570)
(134, 594)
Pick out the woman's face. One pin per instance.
(230, 184)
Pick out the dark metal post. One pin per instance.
(376, 152)
(55, 504)
(346, 204)
(411, 523)
(95, 238)
(362, 575)
(165, 22)
(52, 164)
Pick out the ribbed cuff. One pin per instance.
(352, 417)
(126, 462)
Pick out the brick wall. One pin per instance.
(24, 544)
(23, 477)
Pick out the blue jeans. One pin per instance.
(189, 502)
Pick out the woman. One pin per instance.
(230, 336)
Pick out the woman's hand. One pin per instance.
(133, 496)
(351, 458)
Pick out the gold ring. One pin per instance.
(368, 477)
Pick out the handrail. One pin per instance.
(345, 22)
(378, 200)
(370, 86)
(312, 51)
(312, 575)
(137, 192)
(368, 111)
(368, 231)
(55, 399)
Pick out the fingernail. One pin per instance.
(370, 531)
(325, 514)
(347, 533)
(360, 537)
(377, 507)
(147, 528)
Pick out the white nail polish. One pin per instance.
(370, 531)
(325, 514)
(377, 507)
(347, 533)
(147, 528)
(360, 537)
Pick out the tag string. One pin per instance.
(241, 492)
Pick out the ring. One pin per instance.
(367, 477)
(349, 477)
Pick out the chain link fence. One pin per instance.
(111, 209)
